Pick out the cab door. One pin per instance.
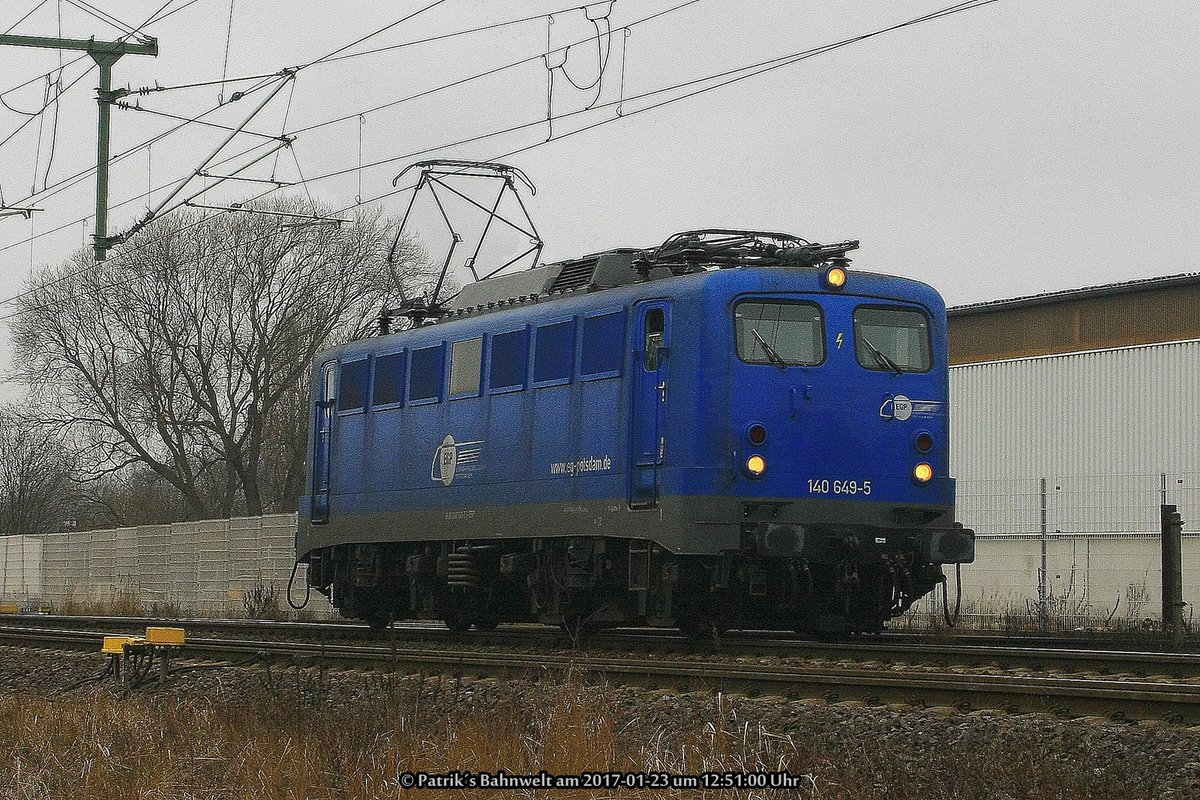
(649, 387)
(323, 442)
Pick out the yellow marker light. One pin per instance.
(835, 277)
(923, 473)
(756, 465)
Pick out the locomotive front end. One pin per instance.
(838, 415)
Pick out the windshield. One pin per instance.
(782, 334)
(891, 339)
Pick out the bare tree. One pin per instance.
(189, 352)
(37, 493)
(135, 496)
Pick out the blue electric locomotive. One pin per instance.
(729, 430)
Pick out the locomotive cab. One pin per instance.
(838, 415)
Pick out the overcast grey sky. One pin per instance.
(1014, 149)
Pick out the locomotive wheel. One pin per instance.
(699, 627)
(486, 624)
(457, 622)
(378, 622)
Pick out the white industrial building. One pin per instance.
(1074, 416)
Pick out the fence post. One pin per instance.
(1043, 589)
(1172, 576)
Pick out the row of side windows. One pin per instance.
(418, 375)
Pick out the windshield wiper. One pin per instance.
(880, 358)
(772, 356)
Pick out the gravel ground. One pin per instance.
(888, 751)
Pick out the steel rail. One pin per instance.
(1058, 654)
(1115, 698)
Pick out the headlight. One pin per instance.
(922, 473)
(835, 277)
(757, 434)
(756, 465)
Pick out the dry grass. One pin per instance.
(290, 734)
(1003, 616)
(121, 602)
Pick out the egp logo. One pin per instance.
(898, 407)
(445, 461)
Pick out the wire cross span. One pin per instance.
(283, 141)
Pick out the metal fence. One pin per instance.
(210, 566)
(1081, 549)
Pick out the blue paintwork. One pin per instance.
(824, 422)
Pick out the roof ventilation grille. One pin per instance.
(574, 275)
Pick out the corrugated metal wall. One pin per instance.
(1132, 411)
(1113, 434)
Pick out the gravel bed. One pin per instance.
(883, 751)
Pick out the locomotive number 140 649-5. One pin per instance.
(826, 486)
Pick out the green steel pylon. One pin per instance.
(105, 54)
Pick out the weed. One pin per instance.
(262, 602)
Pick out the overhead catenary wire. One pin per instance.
(189, 121)
(73, 180)
(266, 78)
(287, 112)
(441, 37)
(484, 74)
(718, 80)
(28, 14)
(85, 219)
(43, 76)
(373, 34)
(730, 76)
(57, 106)
(748, 71)
(132, 32)
(374, 51)
(46, 105)
(144, 90)
(290, 73)
(159, 16)
(103, 16)
(225, 62)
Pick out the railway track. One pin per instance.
(1116, 697)
(1072, 655)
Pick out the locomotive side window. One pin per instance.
(509, 357)
(655, 327)
(891, 339)
(466, 367)
(603, 345)
(554, 353)
(388, 388)
(352, 394)
(425, 375)
(779, 333)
